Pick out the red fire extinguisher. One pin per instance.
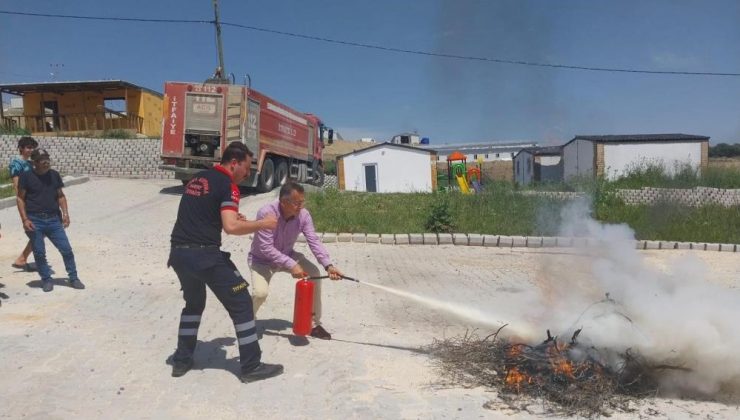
(303, 309)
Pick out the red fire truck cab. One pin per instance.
(201, 119)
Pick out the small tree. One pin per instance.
(439, 219)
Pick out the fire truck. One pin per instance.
(201, 119)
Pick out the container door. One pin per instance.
(371, 178)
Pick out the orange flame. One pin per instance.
(514, 376)
(515, 379)
(564, 367)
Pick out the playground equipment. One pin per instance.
(468, 179)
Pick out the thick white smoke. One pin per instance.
(674, 314)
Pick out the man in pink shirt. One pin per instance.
(272, 251)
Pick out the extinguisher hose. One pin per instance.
(326, 277)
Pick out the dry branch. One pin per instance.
(569, 378)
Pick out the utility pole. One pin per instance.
(220, 75)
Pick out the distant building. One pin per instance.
(538, 164)
(14, 108)
(69, 107)
(388, 168)
(409, 139)
(367, 140)
(486, 152)
(614, 155)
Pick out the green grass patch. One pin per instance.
(6, 184)
(498, 210)
(673, 222)
(15, 131)
(117, 134)
(501, 210)
(7, 191)
(650, 174)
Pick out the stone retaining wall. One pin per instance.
(693, 197)
(697, 196)
(118, 158)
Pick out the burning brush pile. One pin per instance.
(568, 377)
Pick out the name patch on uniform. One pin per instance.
(239, 287)
(197, 187)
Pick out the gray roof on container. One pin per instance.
(399, 146)
(468, 148)
(639, 138)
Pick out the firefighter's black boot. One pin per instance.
(181, 367)
(262, 371)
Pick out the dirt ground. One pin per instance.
(103, 351)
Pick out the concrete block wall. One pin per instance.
(693, 197)
(696, 197)
(116, 158)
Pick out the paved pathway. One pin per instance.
(102, 351)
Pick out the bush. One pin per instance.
(16, 131)
(117, 134)
(439, 219)
(330, 167)
(725, 150)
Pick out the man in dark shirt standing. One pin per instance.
(210, 204)
(40, 199)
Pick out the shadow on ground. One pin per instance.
(173, 190)
(2, 295)
(64, 281)
(273, 327)
(212, 355)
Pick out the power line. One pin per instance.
(381, 48)
(474, 58)
(5, 12)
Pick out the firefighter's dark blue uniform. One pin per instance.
(198, 261)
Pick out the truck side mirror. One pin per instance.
(331, 136)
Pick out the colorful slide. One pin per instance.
(463, 184)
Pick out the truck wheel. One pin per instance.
(267, 176)
(281, 173)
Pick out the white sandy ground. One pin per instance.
(102, 351)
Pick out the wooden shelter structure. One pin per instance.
(84, 106)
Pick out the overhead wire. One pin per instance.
(383, 48)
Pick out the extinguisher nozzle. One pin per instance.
(350, 278)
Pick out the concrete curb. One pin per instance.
(501, 241)
(68, 182)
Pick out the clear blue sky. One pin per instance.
(371, 93)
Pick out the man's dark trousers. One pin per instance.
(196, 268)
(49, 225)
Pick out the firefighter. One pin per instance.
(209, 204)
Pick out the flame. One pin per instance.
(514, 378)
(563, 367)
(551, 360)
